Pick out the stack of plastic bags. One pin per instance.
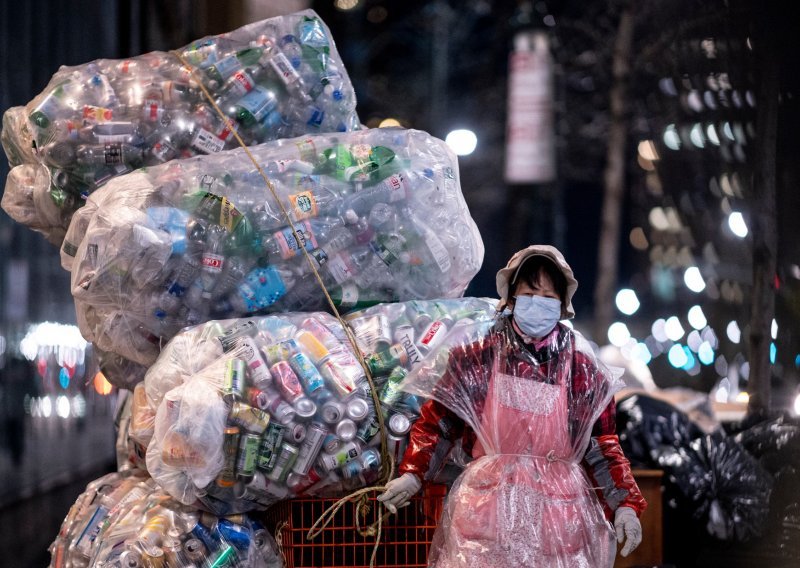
(379, 212)
(237, 415)
(276, 78)
(125, 521)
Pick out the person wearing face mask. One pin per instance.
(548, 484)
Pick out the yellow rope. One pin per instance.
(279, 539)
(385, 473)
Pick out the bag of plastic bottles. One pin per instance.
(277, 78)
(251, 412)
(380, 213)
(525, 498)
(125, 521)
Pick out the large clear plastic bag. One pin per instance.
(379, 211)
(240, 414)
(124, 520)
(276, 78)
(524, 500)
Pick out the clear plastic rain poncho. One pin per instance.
(525, 499)
(237, 415)
(380, 213)
(124, 520)
(276, 78)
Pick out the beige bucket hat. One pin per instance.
(508, 275)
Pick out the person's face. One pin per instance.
(543, 286)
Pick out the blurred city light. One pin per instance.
(463, 142)
(627, 302)
(774, 329)
(62, 406)
(618, 334)
(63, 378)
(712, 134)
(733, 331)
(694, 340)
(658, 330)
(696, 136)
(677, 356)
(46, 406)
(773, 353)
(389, 122)
(743, 397)
(697, 319)
(640, 352)
(101, 384)
(673, 329)
(737, 224)
(345, 4)
(694, 280)
(671, 138)
(705, 353)
(797, 405)
(647, 150)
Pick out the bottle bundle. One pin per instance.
(379, 212)
(272, 79)
(125, 521)
(237, 415)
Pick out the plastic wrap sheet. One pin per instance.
(124, 520)
(524, 500)
(380, 212)
(240, 414)
(647, 426)
(727, 487)
(277, 78)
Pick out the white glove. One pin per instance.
(399, 491)
(628, 528)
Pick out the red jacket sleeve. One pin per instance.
(435, 426)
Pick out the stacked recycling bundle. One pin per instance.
(379, 212)
(276, 78)
(239, 414)
(125, 521)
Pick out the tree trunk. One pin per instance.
(764, 220)
(613, 179)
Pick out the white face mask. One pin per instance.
(536, 316)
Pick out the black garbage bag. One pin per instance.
(785, 514)
(647, 426)
(776, 443)
(727, 487)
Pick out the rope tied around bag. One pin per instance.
(386, 473)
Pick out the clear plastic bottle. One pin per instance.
(94, 155)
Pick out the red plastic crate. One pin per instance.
(406, 536)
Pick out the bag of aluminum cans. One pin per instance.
(125, 521)
(379, 212)
(277, 78)
(246, 413)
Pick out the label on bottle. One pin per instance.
(289, 245)
(304, 205)
(113, 154)
(206, 142)
(213, 262)
(241, 83)
(227, 66)
(95, 114)
(163, 151)
(340, 268)
(259, 102)
(349, 296)
(438, 250)
(216, 209)
(316, 117)
(308, 151)
(398, 187)
(284, 69)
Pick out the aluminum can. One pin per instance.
(383, 362)
(194, 550)
(357, 409)
(247, 350)
(431, 336)
(368, 428)
(346, 430)
(297, 483)
(312, 347)
(279, 409)
(247, 456)
(131, 559)
(347, 453)
(420, 318)
(315, 436)
(256, 398)
(230, 446)
(262, 484)
(296, 432)
(305, 408)
(396, 447)
(332, 411)
(321, 332)
(287, 381)
(280, 351)
(251, 419)
(372, 332)
(233, 383)
(391, 392)
(339, 378)
(309, 375)
(399, 424)
(286, 460)
(270, 445)
(331, 444)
